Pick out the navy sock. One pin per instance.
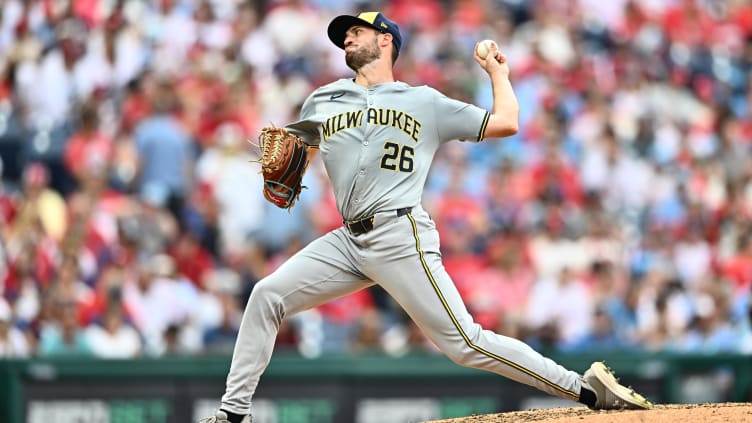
(232, 417)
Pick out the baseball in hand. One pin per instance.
(484, 47)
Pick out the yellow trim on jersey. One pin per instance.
(482, 132)
(462, 332)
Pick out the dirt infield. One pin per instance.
(685, 413)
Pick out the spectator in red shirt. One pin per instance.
(497, 295)
(8, 204)
(738, 268)
(136, 106)
(191, 259)
(88, 146)
(554, 179)
(108, 294)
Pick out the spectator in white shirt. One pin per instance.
(114, 337)
(562, 302)
(158, 300)
(225, 167)
(13, 342)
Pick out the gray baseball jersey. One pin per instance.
(377, 145)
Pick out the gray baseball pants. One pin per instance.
(401, 254)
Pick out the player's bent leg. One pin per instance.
(437, 309)
(419, 283)
(320, 272)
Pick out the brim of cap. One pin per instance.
(339, 26)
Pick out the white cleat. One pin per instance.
(609, 393)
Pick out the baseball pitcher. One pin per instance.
(377, 138)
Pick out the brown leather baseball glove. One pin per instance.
(284, 159)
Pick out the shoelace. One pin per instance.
(270, 154)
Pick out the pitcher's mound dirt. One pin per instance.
(683, 413)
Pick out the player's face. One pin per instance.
(361, 47)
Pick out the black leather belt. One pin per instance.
(359, 227)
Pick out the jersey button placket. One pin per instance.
(369, 98)
(362, 171)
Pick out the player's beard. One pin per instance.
(366, 54)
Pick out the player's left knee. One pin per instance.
(463, 356)
(461, 351)
(266, 301)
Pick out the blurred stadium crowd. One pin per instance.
(133, 223)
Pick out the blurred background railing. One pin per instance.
(337, 389)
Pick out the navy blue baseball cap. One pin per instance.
(376, 20)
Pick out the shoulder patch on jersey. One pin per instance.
(336, 95)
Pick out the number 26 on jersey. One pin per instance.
(397, 157)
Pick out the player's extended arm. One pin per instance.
(504, 119)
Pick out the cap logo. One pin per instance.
(383, 25)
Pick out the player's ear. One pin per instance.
(387, 39)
